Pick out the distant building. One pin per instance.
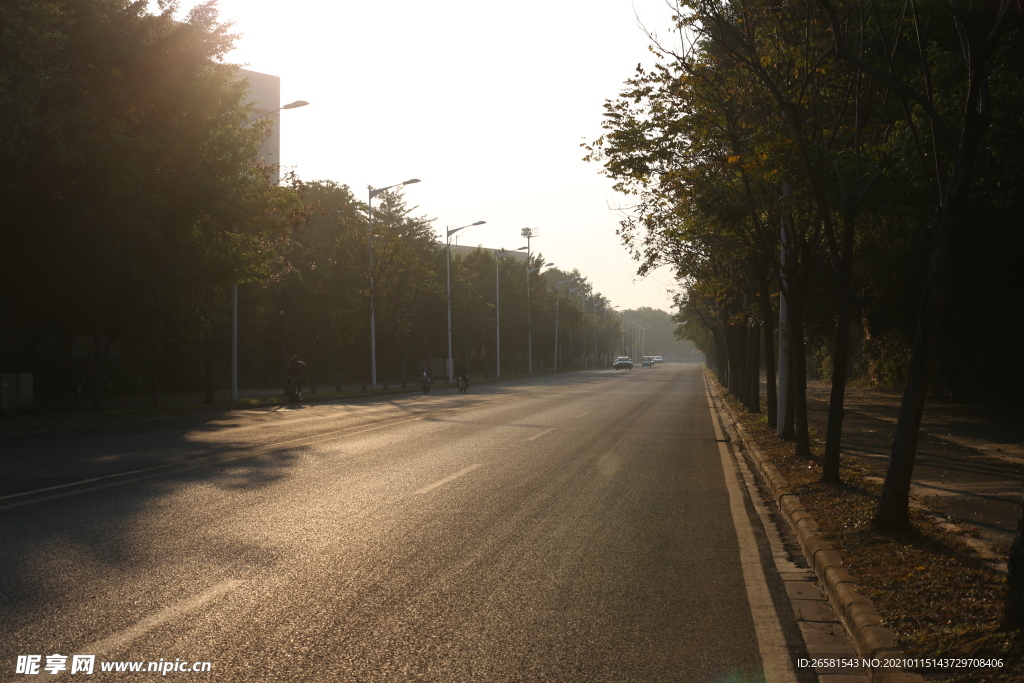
(266, 97)
(464, 250)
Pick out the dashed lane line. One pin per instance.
(540, 434)
(118, 640)
(442, 482)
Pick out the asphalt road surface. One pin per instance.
(579, 527)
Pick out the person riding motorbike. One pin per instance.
(293, 373)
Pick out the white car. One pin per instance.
(659, 359)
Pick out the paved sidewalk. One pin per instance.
(970, 459)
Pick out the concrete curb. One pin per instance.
(860, 618)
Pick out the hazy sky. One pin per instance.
(487, 103)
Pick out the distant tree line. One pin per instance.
(839, 187)
(131, 205)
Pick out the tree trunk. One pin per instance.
(785, 414)
(798, 362)
(753, 370)
(1014, 609)
(893, 505)
(721, 355)
(737, 360)
(840, 359)
(768, 329)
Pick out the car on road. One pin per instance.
(623, 362)
(659, 359)
(648, 362)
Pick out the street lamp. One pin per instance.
(373, 337)
(234, 286)
(529, 332)
(291, 105)
(558, 291)
(596, 304)
(610, 309)
(497, 300)
(583, 308)
(627, 335)
(448, 261)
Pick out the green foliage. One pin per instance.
(129, 191)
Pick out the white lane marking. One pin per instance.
(537, 436)
(447, 479)
(118, 640)
(586, 413)
(777, 665)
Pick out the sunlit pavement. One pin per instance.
(568, 527)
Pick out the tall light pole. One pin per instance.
(448, 261)
(586, 298)
(234, 286)
(528, 233)
(596, 304)
(558, 291)
(529, 334)
(611, 309)
(497, 300)
(373, 333)
(634, 332)
(627, 337)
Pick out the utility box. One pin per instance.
(15, 392)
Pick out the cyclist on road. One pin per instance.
(462, 374)
(425, 374)
(293, 374)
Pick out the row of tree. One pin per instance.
(132, 208)
(838, 186)
(128, 189)
(322, 291)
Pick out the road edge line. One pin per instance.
(856, 612)
(771, 642)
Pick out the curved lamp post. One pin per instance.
(373, 337)
(497, 299)
(448, 261)
(291, 105)
(529, 332)
(234, 286)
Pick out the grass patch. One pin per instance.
(933, 591)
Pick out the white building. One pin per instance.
(266, 97)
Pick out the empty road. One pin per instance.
(578, 527)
